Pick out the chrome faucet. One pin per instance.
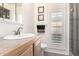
(18, 32)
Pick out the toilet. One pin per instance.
(43, 47)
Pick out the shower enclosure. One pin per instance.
(74, 28)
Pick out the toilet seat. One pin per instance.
(43, 46)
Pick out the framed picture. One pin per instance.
(41, 9)
(41, 17)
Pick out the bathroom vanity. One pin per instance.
(23, 47)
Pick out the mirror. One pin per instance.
(11, 12)
(19, 13)
(1, 12)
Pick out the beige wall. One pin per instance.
(45, 22)
(28, 19)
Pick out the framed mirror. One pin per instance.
(11, 12)
(1, 12)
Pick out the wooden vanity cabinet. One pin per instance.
(31, 48)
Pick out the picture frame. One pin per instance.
(41, 17)
(41, 9)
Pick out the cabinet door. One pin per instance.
(37, 48)
(28, 52)
(23, 50)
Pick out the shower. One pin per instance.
(74, 28)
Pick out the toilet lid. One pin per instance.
(43, 45)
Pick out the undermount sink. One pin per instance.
(21, 36)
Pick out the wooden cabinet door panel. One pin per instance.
(28, 52)
(37, 48)
(20, 50)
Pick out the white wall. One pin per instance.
(45, 35)
(8, 28)
(64, 49)
(28, 19)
